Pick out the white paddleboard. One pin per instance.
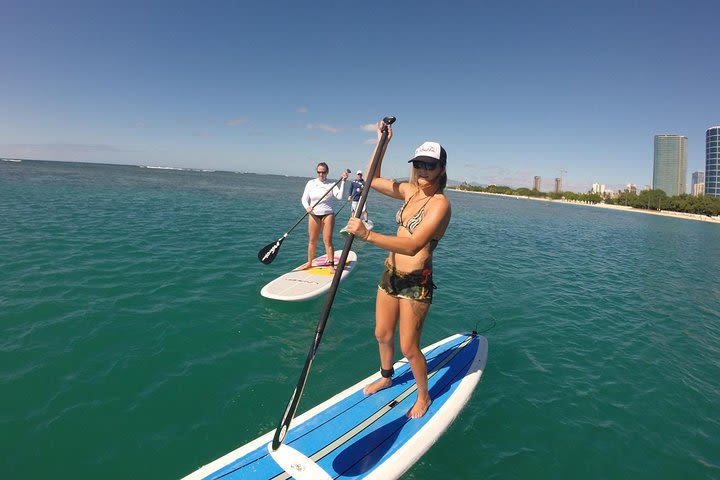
(298, 285)
(353, 436)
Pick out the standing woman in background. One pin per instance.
(406, 286)
(322, 217)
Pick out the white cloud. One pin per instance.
(369, 127)
(236, 122)
(140, 125)
(301, 109)
(202, 133)
(322, 126)
(370, 141)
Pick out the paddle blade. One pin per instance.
(268, 253)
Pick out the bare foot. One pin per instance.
(420, 407)
(377, 386)
(305, 266)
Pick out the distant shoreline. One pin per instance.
(662, 213)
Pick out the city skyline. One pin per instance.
(712, 164)
(511, 91)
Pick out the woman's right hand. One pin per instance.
(357, 228)
(308, 210)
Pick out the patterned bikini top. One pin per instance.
(415, 220)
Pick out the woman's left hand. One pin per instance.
(357, 228)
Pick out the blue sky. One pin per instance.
(511, 89)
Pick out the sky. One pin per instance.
(510, 89)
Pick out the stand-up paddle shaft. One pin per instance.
(289, 414)
(268, 253)
(341, 208)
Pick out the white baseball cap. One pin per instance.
(359, 172)
(431, 152)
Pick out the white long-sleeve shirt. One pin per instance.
(314, 191)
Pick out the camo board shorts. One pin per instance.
(416, 285)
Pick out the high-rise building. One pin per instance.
(631, 188)
(536, 183)
(698, 183)
(712, 162)
(670, 165)
(558, 185)
(598, 188)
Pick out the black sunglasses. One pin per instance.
(322, 172)
(429, 166)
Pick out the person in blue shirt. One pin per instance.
(356, 188)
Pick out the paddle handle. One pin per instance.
(284, 425)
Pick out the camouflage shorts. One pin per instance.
(416, 285)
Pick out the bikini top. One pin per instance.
(416, 219)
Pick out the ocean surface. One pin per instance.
(134, 342)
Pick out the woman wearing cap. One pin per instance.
(322, 217)
(406, 286)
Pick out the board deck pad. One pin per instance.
(365, 437)
(298, 285)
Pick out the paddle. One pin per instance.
(289, 414)
(268, 253)
(341, 208)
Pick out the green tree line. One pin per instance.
(647, 199)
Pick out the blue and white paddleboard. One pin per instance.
(365, 437)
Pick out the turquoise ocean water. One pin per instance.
(134, 342)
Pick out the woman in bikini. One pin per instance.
(406, 286)
(322, 217)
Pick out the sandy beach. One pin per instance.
(664, 213)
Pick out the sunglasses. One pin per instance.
(322, 172)
(429, 166)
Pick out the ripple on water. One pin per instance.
(133, 331)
